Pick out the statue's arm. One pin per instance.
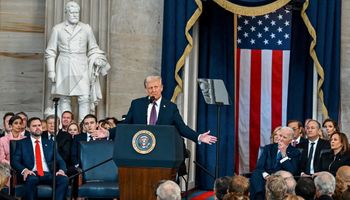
(51, 53)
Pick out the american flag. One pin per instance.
(262, 69)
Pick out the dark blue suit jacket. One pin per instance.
(24, 155)
(168, 115)
(267, 161)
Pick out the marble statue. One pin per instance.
(74, 63)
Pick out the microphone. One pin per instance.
(152, 99)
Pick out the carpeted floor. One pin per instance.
(201, 195)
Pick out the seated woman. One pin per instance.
(16, 124)
(339, 154)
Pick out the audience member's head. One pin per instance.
(113, 121)
(276, 187)
(274, 135)
(342, 180)
(90, 123)
(239, 185)
(5, 120)
(4, 174)
(313, 130)
(297, 127)
(288, 177)
(24, 117)
(305, 188)
(221, 185)
(168, 190)
(339, 142)
(67, 118)
(331, 126)
(325, 184)
(73, 129)
(238, 188)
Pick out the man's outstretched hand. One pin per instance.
(206, 138)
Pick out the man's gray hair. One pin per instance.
(71, 4)
(325, 183)
(151, 78)
(168, 190)
(289, 129)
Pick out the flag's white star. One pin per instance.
(287, 11)
(286, 36)
(259, 35)
(260, 22)
(246, 22)
(266, 28)
(279, 42)
(266, 16)
(239, 41)
(272, 35)
(245, 34)
(279, 29)
(286, 23)
(239, 28)
(273, 22)
(253, 17)
(280, 16)
(266, 41)
(252, 28)
(252, 41)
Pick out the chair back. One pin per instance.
(93, 153)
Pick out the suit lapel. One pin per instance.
(45, 144)
(162, 109)
(29, 145)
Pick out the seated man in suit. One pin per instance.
(311, 149)
(91, 126)
(63, 138)
(156, 110)
(275, 157)
(33, 158)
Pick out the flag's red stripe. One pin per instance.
(277, 84)
(238, 60)
(255, 105)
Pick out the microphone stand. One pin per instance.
(55, 100)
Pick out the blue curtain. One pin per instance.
(176, 15)
(216, 61)
(326, 18)
(300, 72)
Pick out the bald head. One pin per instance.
(168, 190)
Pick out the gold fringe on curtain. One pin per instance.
(314, 57)
(180, 63)
(249, 10)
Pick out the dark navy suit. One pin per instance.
(24, 158)
(268, 163)
(168, 115)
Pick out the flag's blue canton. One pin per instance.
(270, 31)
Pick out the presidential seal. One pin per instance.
(143, 142)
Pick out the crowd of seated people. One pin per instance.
(291, 163)
(67, 135)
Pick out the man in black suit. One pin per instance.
(63, 138)
(33, 158)
(311, 149)
(156, 110)
(90, 125)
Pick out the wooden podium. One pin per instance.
(145, 155)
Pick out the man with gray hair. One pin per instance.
(168, 190)
(290, 181)
(79, 63)
(4, 179)
(275, 157)
(325, 185)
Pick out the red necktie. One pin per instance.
(39, 164)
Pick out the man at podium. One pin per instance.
(156, 110)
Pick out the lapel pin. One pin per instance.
(164, 106)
